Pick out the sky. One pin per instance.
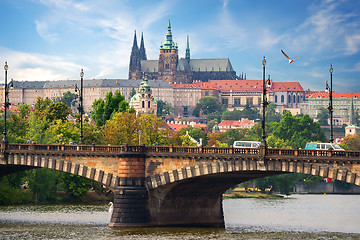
(55, 39)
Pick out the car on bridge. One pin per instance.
(246, 144)
(323, 146)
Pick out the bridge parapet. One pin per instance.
(353, 155)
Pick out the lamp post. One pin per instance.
(330, 105)
(81, 106)
(6, 102)
(264, 104)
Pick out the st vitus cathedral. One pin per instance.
(174, 70)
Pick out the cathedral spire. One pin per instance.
(135, 65)
(169, 44)
(135, 46)
(187, 54)
(142, 49)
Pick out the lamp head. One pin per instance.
(6, 66)
(331, 69)
(264, 62)
(82, 73)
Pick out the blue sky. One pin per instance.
(55, 39)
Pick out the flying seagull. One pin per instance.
(290, 60)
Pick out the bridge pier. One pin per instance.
(130, 207)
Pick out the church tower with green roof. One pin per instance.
(169, 58)
(144, 102)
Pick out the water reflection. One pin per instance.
(298, 217)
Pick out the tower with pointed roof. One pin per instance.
(135, 58)
(143, 101)
(187, 53)
(168, 58)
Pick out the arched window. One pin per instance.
(282, 98)
(143, 104)
(148, 104)
(294, 99)
(298, 98)
(276, 98)
(289, 99)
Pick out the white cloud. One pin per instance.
(42, 28)
(39, 67)
(352, 44)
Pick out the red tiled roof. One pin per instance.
(238, 85)
(195, 84)
(335, 95)
(178, 127)
(235, 123)
(286, 86)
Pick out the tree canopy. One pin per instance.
(103, 109)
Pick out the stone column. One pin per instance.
(131, 195)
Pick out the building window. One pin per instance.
(282, 98)
(224, 101)
(289, 99)
(298, 98)
(143, 104)
(249, 101)
(276, 98)
(236, 102)
(148, 104)
(294, 99)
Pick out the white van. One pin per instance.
(323, 146)
(246, 144)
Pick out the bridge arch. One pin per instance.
(21, 162)
(341, 173)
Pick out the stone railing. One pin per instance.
(179, 149)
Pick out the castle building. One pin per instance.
(171, 69)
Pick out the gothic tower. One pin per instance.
(168, 59)
(135, 60)
(187, 54)
(142, 49)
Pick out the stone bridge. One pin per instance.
(175, 186)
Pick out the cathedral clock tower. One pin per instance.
(168, 59)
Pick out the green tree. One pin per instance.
(122, 128)
(76, 186)
(283, 183)
(57, 111)
(68, 98)
(207, 105)
(271, 114)
(232, 135)
(195, 132)
(298, 130)
(103, 109)
(351, 142)
(163, 108)
(43, 184)
(247, 112)
(61, 132)
(17, 128)
(323, 117)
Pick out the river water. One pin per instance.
(294, 217)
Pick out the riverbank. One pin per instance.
(250, 195)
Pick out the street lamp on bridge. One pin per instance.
(81, 106)
(6, 102)
(330, 104)
(264, 104)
